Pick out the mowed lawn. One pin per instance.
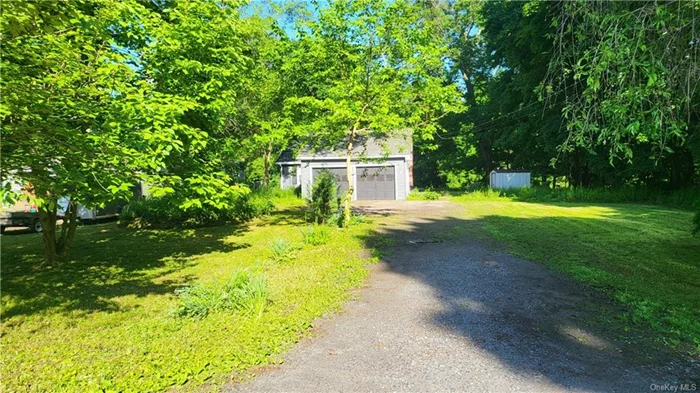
(102, 320)
(643, 256)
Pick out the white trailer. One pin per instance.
(89, 215)
(509, 179)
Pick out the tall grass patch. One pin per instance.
(425, 195)
(315, 235)
(282, 250)
(243, 292)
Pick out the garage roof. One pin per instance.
(366, 146)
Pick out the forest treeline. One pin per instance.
(586, 93)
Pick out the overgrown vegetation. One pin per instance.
(167, 211)
(621, 249)
(242, 293)
(425, 195)
(316, 235)
(282, 250)
(102, 320)
(199, 98)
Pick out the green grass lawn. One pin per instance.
(643, 256)
(103, 320)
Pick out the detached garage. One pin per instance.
(381, 169)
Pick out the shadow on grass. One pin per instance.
(105, 262)
(289, 216)
(543, 325)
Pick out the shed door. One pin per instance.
(376, 182)
(341, 177)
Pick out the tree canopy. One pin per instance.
(592, 93)
(198, 98)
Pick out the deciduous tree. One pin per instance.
(370, 68)
(78, 121)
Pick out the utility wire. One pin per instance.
(477, 127)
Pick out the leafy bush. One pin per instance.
(165, 212)
(324, 197)
(168, 211)
(243, 293)
(254, 205)
(696, 224)
(315, 235)
(282, 250)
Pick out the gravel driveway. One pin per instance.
(460, 316)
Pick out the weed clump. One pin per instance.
(243, 292)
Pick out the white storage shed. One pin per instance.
(509, 179)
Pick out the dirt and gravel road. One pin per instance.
(459, 315)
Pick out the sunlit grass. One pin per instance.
(103, 320)
(643, 256)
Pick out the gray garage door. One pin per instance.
(340, 176)
(376, 182)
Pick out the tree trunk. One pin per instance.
(347, 213)
(57, 247)
(682, 168)
(579, 174)
(47, 216)
(266, 169)
(484, 144)
(485, 154)
(68, 228)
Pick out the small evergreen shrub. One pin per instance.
(316, 235)
(242, 293)
(282, 250)
(324, 197)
